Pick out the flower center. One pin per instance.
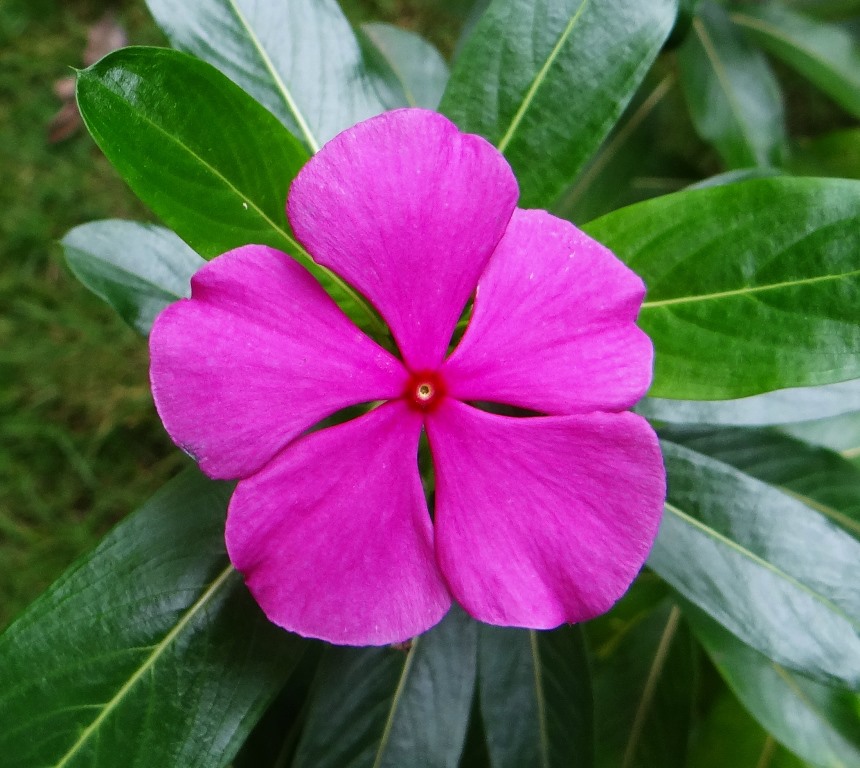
(424, 390)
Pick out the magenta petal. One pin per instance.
(408, 210)
(545, 520)
(334, 537)
(553, 327)
(256, 356)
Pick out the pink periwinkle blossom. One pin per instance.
(538, 519)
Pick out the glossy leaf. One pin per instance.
(733, 96)
(839, 433)
(419, 67)
(149, 648)
(393, 707)
(751, 287)
(136, 268)
(535, 697)
(546, 81)
(299, 58)
(819, 478)
(645, 691)
(760, 562)
(785, 406)
(827, 55)
(819, 723)
(209, 160)
(728, 736)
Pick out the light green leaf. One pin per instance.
(733, 96)
(149, 648)
(751, 287)
(785, 406)
(545, 81)
(136, 268)
(299, 58)
(389, 707)
(419, 67)
(535, 697)
(827, 55)
(777, 574)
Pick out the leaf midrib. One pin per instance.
(153, 657)
(760, 561)
(539, 79)
(749, 290)
(313, 143)
(395, 703)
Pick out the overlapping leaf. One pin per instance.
(150, 648)
(136, 268)
(819, 723)
(300, 59)
(545, 81)
(827, 55)
(534, 690)
(207, 158)
(733, 96)
(751, 287)
(762, 562)
(393, 707)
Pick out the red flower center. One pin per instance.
(424, 390)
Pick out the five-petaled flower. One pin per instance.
(539, 519)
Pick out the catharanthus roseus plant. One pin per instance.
(418, 396)
(537, 521)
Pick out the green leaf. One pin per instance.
(209, 160)
(728, 736)
(393, 707)
(535, 697)
(545, 81)
(819, 723)
(827, 55)
(834, 154)
(149, 648)
(644, 690)
(300, 59)
(136, 268)
(733, 96)
(777, 574)
(419, 67)
(751, 287)
(819, 478)
(785, 406)
(839, 433)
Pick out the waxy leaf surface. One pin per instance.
(827, 55)
(545, 81)
(534, 692)
(645, 691)
(136, 268)
(819, 723)
(759, 562)
(393, 707)
(206, 157)
(299, 58)
(150, 648)
(751, 287)
(733, 96)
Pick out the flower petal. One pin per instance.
(256, 356)
(545, 520)
(553, 327)
(334, 537)
(408, 210)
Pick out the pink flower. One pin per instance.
(538, 520)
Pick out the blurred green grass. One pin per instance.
(80, 445)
